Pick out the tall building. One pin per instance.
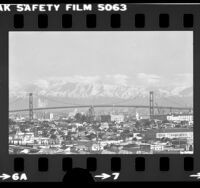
(51, 116)
(91, 113)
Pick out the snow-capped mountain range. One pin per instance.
(87, 90)
(96, 90)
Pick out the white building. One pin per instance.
(51, 116)
(117, 118)
(104, 125)
(96, 147)
(137, 136)
(137, 116)
(157, 147)
(180, 117)
(187, 135)
(22, 138)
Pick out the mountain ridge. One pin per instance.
(99, 93)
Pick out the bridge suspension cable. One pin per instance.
(59, 102)
(125, 100)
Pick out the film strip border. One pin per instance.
(131, 168)
(156, 18)
(92, 164)
(115, 21)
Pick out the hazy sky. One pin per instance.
(40, 55)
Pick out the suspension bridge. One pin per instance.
(152, 106)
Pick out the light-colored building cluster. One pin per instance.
(180, 117)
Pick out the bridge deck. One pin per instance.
(103, 106)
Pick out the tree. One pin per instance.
(11, 121)
(68, 137)
(53, 137)
(80, 118)
(137, 124)
(123, 136)
(44, 133)
(134, 139)
(80, 129)
(126, 131)
(147, 123)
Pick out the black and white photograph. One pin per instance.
(108, 92)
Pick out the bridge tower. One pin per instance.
(30, 106)
(151, 104)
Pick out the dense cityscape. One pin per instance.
(88, 132)
(99, 93)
